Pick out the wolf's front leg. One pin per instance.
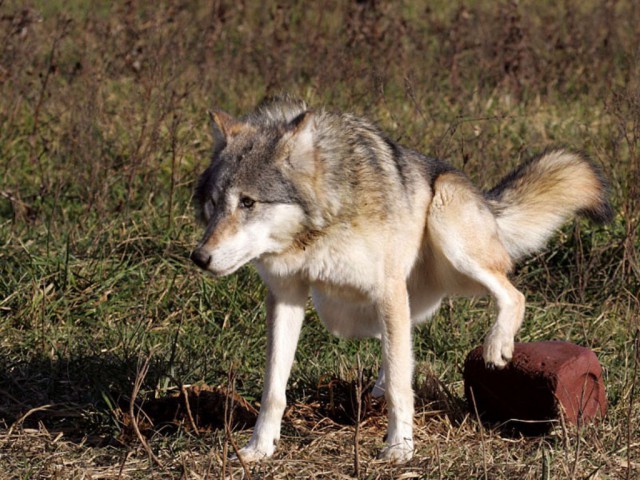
(285, 313)
(397, 363)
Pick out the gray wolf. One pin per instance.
(326, 204)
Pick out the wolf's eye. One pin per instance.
(247, 202)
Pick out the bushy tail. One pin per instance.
(536, 198)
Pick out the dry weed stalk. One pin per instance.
(137, 384)
(636, 361)
(482, 439)
(101, 132)
(228, 417)
(356, 433)
(187, 407)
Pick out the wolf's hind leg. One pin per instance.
(464, 231)
(498, 344)
(424, 304)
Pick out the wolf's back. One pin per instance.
(536, 198)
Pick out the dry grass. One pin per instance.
(103, 129)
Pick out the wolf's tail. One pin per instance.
(536, 198)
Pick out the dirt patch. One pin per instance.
(196, 408)
(204, 408)
(341, 402)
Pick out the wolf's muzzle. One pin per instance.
(201, 258)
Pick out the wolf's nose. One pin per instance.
(200, 258)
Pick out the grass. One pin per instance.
(103, 130)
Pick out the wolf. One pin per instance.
(326, 204)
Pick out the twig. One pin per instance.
(174, 344)
(565, 434)
(140, 376)
(225, 450)
(21, 420)
(484, 452)
(45, 79)
(174, 159)
(546, 464)
(636, 359)
(228, 415)
(123, 463)
(183, 389)
(439, 460)
(234, 445)
(356, 434)
(576, 457)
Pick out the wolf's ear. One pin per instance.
(300, 137)
(223, 126)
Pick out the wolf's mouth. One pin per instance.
(204, 260)
(224, 273)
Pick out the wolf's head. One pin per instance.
(245, 198)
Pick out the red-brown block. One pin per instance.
(542, 380)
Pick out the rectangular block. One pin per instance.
(542, 380)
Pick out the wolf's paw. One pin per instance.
(400, 452)
(252, 454)
(498, 349)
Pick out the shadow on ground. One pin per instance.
(88, 399)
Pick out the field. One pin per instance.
(103, 131)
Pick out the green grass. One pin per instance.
(103, 131)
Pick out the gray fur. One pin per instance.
(356, 156)
(326, 204)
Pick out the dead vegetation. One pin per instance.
(103, 128)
